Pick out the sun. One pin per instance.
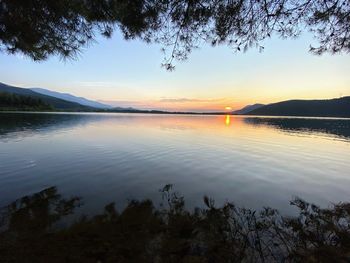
(228, 108)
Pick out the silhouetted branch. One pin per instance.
(40, 28)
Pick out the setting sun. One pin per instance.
(228, 108)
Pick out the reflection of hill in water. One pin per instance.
(27, 124)
(338, 127)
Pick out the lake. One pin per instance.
(252, 161)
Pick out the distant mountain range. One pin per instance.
(248, 108)
(56, 103)
(339, 107)
(72, 98)
(46, 99)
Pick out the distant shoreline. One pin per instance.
(131, 111)
(181, 113)
(15, 99)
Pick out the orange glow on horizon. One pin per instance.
(208, 104)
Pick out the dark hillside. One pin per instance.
(11, 101)
(58, 104)
(314, 108)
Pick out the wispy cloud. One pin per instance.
(95, 84)
(184, 100)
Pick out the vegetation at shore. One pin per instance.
(9, 102)
(142, 232)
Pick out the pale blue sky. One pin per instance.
(129, 73)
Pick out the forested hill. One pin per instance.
(315, 108)
(55, 103)
(12, 101)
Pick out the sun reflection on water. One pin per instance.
(227, 120)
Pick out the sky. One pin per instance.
(129, 74)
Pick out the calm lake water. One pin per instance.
(253, 161)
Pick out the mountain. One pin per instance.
(56, 103)
(72, 98)
(248, 108)
(11, 101)
(339, 107)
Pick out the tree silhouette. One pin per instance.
(40, 28)
(143, 232)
